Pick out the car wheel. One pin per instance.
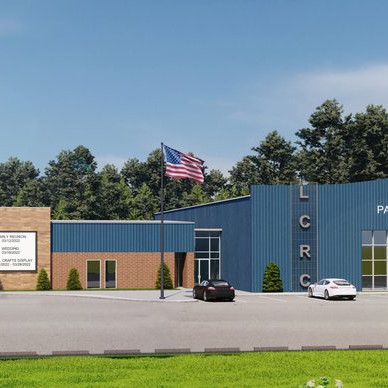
(194, 295)
(327, 297)
(351, 297)
(231, 299)
(310, 292)
(205, 298)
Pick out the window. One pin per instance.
(366, 237)
(93, 274)
(341, 283)
(374, 259)
(110, 273)
(220, 283)
(207, 264)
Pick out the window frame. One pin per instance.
(105, 261)
(373, 245)
(209, 237)
(87, 261)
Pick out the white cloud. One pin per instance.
(10, 27)
(355, 89)
(287, 103)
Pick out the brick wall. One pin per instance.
(188, 270)
(133, 269)
(27, 219)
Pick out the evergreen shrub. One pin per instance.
(73, 282)
(272, 281)
(43, 282)
(166, 276)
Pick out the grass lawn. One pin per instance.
(289, 369)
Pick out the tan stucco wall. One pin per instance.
(27, 219)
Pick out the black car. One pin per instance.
(213, 289)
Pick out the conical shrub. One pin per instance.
(73, 282)
(272, 281)
(166, 276)
(43, 282)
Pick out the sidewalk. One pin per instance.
(178, 295)
(181, 295)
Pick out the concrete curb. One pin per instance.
(166, 300)
(177, 351)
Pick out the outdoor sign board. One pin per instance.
(17, 251)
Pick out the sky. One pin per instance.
(211, 77)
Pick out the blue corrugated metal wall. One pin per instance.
(120, 237)
(304, 206)
(234, 217)
(344, 211)
(270, 232)
(255, 230)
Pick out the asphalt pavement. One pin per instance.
(138, 322)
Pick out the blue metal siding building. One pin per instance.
(270, 231)
(311, 232)
(234, 217)
(345, 210)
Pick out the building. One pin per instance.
(311, 231)
(107, 254)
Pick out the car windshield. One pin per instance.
(341, 282)
(220, 283)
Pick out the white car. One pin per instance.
(332, 288)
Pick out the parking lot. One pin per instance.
(47, 323)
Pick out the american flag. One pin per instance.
(180, 165)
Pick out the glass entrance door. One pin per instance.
(110, 274)
(207, 255)
(201, 270)
(93, 274)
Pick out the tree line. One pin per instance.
(334, 148)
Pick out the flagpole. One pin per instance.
(161, 226)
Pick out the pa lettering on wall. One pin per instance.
(382, 209)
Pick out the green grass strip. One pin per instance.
(289, 369)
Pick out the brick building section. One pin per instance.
(133, 269)
(188, 271)
(27, 219)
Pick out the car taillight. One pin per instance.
(232, 288)
(353, 286)
(211, 288)
(333, 286)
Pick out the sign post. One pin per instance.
(161, 226)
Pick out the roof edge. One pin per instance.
(119, 222)
(205, 204)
